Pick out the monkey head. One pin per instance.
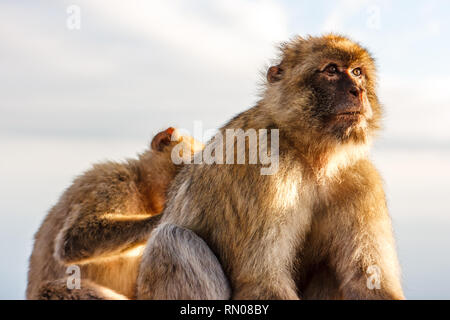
(326, 86)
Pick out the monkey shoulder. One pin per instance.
(365, 171)
(359, 179)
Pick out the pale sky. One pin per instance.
(69, 98)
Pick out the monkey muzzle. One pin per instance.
(351, 109)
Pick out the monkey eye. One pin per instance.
(357, 72)
(331, 69)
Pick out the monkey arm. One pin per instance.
(368, 267)
(104, 214)
(365, 256)
(99, 236)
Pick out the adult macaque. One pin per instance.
(313, 228)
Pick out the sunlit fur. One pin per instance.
(310, 230)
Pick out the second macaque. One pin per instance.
(102, 222)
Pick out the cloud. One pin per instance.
(416, 109)
(231, 33)
(342, 11)
(136, 67)
(133, 67)
(33, 43)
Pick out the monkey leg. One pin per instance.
(58, 290)
(177, 264)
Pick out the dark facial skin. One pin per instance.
(340, 97)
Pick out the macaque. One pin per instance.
(101, 224)
(316, 228)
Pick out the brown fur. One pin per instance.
(313, 228)
(101, 223)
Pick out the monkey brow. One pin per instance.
(340, 67)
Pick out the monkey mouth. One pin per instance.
(349, 116)
(349, 113)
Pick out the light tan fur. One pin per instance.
(312, 229)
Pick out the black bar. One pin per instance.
(179, 310)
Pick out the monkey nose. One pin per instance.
(354, 91)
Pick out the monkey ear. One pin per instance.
(274, 74)
(162, 139)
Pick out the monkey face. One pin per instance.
(327, 85)
(340, 99)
